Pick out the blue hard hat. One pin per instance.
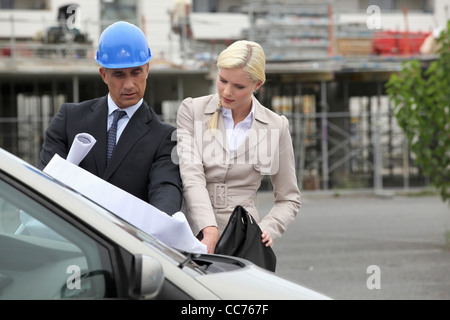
(122, 45)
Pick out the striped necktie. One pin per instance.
(112, 132)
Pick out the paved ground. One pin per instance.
(341, 246)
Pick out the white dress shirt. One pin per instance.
(236, 134)
(122, 123)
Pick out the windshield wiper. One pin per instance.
(189, 259)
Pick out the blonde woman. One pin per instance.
(227, 142)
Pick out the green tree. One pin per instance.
(421, 99)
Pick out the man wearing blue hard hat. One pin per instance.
(134, 147)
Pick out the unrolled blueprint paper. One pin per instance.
(174, 230)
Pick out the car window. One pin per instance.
(43, 256)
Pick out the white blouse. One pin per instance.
(236, 134)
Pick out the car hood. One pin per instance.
(254, 283)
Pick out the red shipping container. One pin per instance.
(398, 43)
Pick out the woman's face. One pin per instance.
(235, 88)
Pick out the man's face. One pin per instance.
(127, 85)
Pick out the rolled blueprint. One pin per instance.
(81, 145)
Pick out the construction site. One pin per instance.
(327, 66)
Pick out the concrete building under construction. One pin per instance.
(327, 64)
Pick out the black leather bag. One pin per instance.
(242, 238)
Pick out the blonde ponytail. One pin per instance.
(212, 124)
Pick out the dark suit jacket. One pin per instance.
(141, 163)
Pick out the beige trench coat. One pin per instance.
(215, 181)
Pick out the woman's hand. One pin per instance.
(210, 238)
(266, 238)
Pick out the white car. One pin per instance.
(57, 244)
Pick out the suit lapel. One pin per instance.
(97, 124)
(220, 137)
(257, 133)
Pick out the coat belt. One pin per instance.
(222, 197)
